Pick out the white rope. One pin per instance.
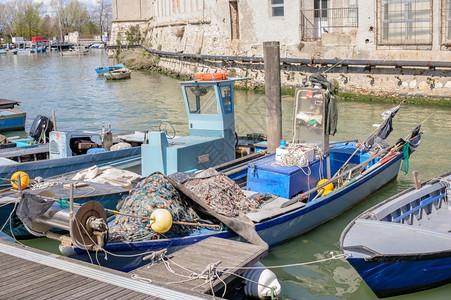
(34, 185)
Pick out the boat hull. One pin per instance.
(11, 119)
(390, 275)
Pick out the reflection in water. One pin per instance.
(83, 101)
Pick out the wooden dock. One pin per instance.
(30, 273)
(188, 263)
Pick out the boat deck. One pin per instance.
(31, 273)
(5, 103)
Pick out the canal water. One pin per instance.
(83, 101)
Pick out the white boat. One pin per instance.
(118, 74)
(76, 51)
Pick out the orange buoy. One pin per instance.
(211, 76)
(24, 180)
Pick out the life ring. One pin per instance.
(24, 180)
(211, 76)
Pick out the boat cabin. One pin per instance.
(211, 140)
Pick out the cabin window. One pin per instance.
(405, 22)
(202, 100)
(277, 9)
(226, 95)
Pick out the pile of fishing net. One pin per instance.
(151, 193)
(220, 193)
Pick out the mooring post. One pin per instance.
(271, 54)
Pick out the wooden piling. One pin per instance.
(271, 54)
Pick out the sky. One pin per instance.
(88, 3)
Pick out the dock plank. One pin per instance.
(28, 273)
(196, 258)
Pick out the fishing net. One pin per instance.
(221, 193)
(149, 194)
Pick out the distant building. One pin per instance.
(359, 29)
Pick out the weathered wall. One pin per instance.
(204, 27)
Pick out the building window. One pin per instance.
(405, 22)
(446, 30)
(277, 8)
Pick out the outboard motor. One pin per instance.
(41, 128)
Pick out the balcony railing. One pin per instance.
(315, 22)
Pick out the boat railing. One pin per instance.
(425, 203)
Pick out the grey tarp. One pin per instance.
(331, 107)
(32, 206)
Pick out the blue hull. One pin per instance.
(272, 231)
(103, 70)
(53, 167)
(390, 276)
(11, 120)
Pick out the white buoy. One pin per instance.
(260, 282)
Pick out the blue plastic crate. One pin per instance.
(265, 176)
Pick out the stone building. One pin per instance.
(403, 31)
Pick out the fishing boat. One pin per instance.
(59, 152)
(103, 70)
(403, 245)
(118, 74)
(263, 198)
(24, 51)
(75, 51)
(12, 119)
(98, 45)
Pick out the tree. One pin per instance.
(8, 13)
(49, 27)
(74, 17)
(28, 19)
(102, 15)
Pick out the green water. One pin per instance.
(82, 101)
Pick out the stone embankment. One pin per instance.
(377, 80)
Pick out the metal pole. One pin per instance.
(271, 54)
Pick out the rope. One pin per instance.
(34, 185)
(294, 156)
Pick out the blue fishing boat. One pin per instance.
(103, 70)
(266, 199)
(58, 152)
(12, 119)
(403, 245)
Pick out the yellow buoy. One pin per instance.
(325, 189)
(162, 220)
(24, 180)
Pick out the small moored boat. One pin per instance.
(12, 119)
(76, 51)
(103, 70)
(403, 244)
(117, 74)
